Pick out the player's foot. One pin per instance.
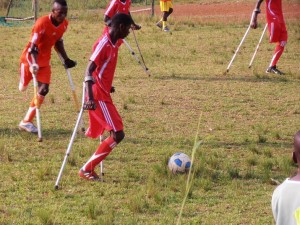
(28, 126)
(166, 29)
(89, 175)
(159, 24)
(273, 69)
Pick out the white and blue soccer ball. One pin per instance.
(179, 163)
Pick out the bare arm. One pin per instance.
(90, 103)
(60, 48)
(134, 25)
(107, 20)
(256, 12)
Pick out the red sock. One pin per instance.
(31, 111)
(277, 53)
(103, 150)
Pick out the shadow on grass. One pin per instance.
(246, 78)
(47, 133)
(230, 145)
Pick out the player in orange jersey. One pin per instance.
(277, 30)
(46, 33)
(119, 6)
(103, 114)
(166, 6)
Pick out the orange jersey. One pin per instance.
(44, 35)
(166, 0)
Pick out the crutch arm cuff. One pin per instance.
(89, 78)
(257, 11)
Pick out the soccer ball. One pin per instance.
(179, 163)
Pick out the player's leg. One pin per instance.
(159, 23)
(278, 34)
(104, 117)
(43, 89)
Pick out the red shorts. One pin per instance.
(105, 117)
(277, 31)
(43, 75)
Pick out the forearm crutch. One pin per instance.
(137, 59)
(238, 48)
(101, 163)
(72, 139)
(257, 47)
(138, 46)
(73, 91)
(37, 105)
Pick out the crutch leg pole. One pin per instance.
(257, 47)
(135, 56)
(138, 46)
(238, 48)
(71, 141)
(101, 163)
(73, 91)
(38, 116)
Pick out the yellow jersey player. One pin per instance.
(166, 6)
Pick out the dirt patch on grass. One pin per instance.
(227, 12)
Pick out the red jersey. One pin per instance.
(44, 35)
(116, 6)
(274, 10)
(105, 56)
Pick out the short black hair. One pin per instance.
(121, 18)
(61, 2)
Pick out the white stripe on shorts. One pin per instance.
(107, 115)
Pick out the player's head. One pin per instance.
(59, 10)
(296, 152)
(121, 24)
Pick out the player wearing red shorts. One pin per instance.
(119, 6)
(99, 75)
(277, 30)
(46, 33)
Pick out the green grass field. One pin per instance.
(247, 125)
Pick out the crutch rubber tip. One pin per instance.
(249, 67)
(56, 187)
(40, 139)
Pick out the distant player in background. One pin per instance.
(166, 7)
(46, 33)
(286, 197)
(119, 6)
(99, 76)
(277, 30)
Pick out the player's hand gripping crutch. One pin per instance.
(137, 59)
(257, 47)
(73, 91)
(243, 39)
(33, 69)
(72, 139)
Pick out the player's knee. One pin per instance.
(119, 136)
(282, 43)
(43, 90)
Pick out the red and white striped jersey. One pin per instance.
(105, 56)
(116, 6)
(274, 10)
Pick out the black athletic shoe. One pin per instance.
(273, 69)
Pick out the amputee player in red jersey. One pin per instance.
(46, 33)
(277, 30)
(99, 75)
(119, 6)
